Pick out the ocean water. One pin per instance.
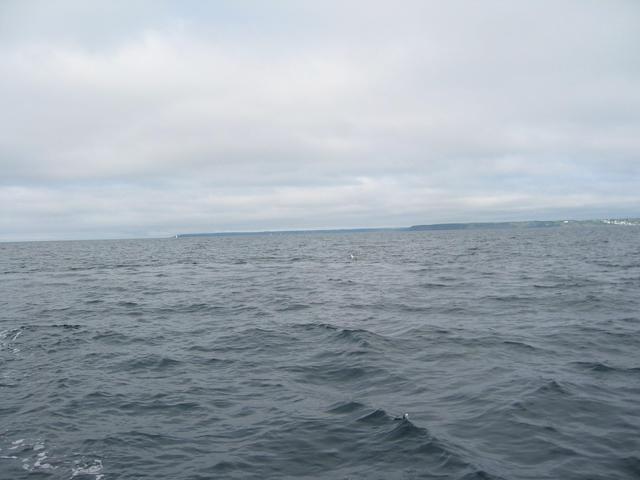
(515, 354)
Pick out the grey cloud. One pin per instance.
(162, 117)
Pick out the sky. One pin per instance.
(149, 118)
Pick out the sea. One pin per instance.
(472, 354)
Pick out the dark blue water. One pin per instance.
(516, 355)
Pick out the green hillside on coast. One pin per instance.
(435, 226)
(528, 224)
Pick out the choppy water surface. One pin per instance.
(515, 353)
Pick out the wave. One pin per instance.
(148, 362)
(604, 368)
(346, 407)
(339, 372)
(357, 336)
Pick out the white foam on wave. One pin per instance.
(9, 336)
(34, 457)
(94, 468)
(16, 444)
(41, 457)
(10, 331)
(39, 461)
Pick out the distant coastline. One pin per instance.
(290, 232)
(432, 227)
(525, 224)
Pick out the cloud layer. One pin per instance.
(150, 118)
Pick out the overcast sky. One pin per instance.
(150, 118)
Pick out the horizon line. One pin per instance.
(603, 220)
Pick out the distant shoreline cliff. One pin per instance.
(432, 227)
(529, 224)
